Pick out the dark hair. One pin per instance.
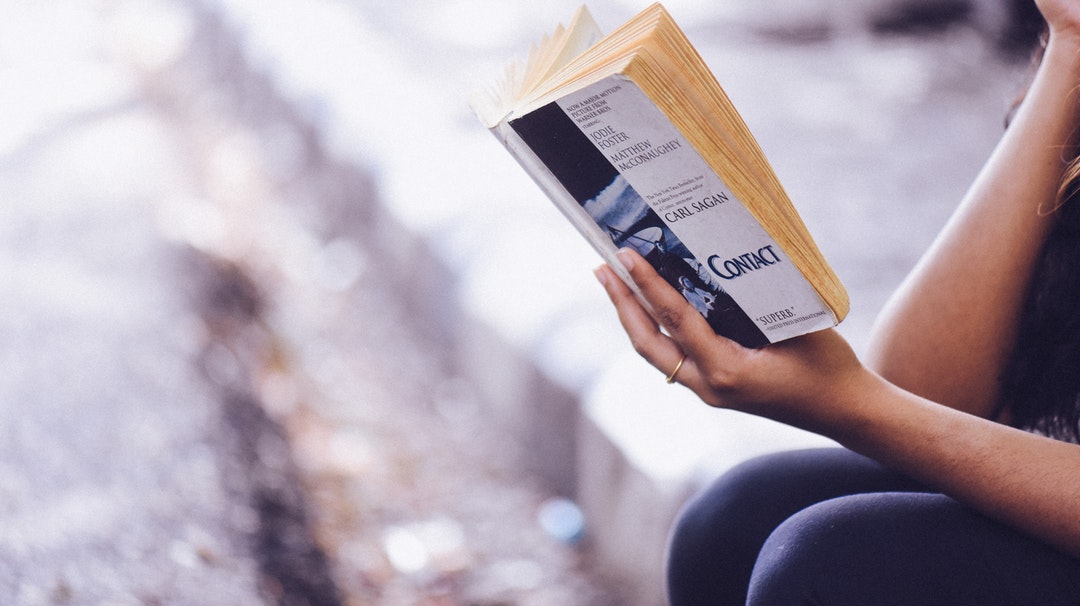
(1042, 381)
(1041, 387)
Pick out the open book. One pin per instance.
(634, 140)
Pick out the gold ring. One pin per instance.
(671, 378)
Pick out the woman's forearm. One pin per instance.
(1026, 481)
(947, 332)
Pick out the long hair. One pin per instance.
(1041, 386)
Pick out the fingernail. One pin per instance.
(601, 275)
(626, 259)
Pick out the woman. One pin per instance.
(950, 499)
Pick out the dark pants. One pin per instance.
(830, 527)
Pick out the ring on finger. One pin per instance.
(671, 377)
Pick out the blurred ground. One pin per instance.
(214, 391)
(180, 259)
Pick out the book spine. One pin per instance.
(620, 166)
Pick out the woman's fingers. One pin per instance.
(671, 335)
(648, 340)
(685, 325)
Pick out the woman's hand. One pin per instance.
(815, 382)
(799, 381)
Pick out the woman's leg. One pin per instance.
(907, 548)
(719, 533)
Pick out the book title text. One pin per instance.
(729, 269)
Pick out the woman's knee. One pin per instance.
(749, 501)
(809, 551)
(882, 548)
(714, 542)
(717, 536)
(890, 548)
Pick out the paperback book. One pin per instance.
(634, 140)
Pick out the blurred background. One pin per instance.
(280, 323)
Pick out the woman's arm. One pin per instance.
(816, 382)
(1029, 482)
(948, 331)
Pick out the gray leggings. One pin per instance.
(830, 527)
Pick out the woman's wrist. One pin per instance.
(839, 397)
